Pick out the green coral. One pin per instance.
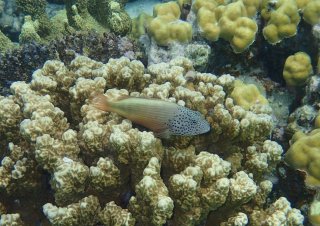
(37, 10)
(111, 14)
(34, 8)
(29, 31)
(79, 16)
(38, 27)
(5, 43)
(317, 122)
(98, 9)
(98, 15)
(119, 21)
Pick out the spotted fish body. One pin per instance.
(187, 122)
(162, 117)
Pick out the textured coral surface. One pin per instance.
(250, 68)
(97, 164)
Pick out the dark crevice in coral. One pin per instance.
(28, 203)
(291, 185)
(273, 57)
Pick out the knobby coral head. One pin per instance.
(52, 129)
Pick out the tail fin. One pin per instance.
(99, 101)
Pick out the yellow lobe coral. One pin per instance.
(247, 95)
(304, 154)
(282, 22)
(208, 4)
(229, 21)
(230, 14)
(314, 211)
(236, 27)
(297, 69)
(164, 31)
(252, 6)
(311, 13)
(302, 3)
(265, 9)
(317, 121)
(139, 24)
(166, 26)
(244, 35)
(208, 24)
(167, 9)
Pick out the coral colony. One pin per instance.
(205, 113)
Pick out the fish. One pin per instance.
(162, 117)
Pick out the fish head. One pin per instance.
(188, 123)
(199, 124)
(202, 126)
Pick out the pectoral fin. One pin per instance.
(165, 134)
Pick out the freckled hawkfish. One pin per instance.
(162, 117)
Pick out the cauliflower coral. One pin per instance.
(102, 169)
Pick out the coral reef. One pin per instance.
(42, 26)
(111, 14)
(235, 27)
(282, 20)
(279, 213)
(305, 117)
(314, 212)
(152, 204)
(10, 219)
(139, 24)
(92, 158)
(84, 212)
(311, 12)
(247, 95)
(18, 64)
(166, 26)
(248, 27)
(231, 22)
(297, 69)
(249, 67)
(303, 154)
(37, 11)
(5, 43)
